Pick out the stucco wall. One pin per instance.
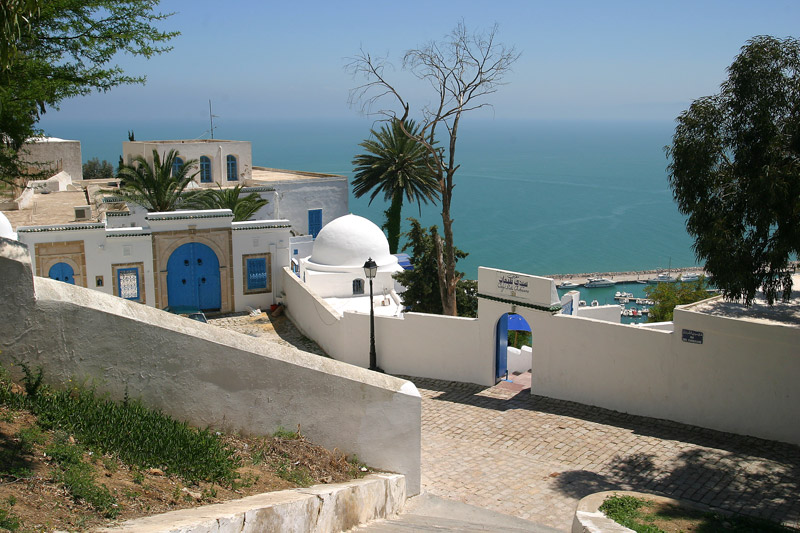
(296, 198)
(56, 155)
(418, 344)
(742, 379)
(203, 374)
(216, 150)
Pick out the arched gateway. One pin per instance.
(193, 278)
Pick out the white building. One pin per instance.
(335, 268)
(309, 200)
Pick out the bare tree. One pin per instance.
(461, 70)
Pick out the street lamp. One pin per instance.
(370, 271)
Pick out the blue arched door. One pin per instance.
(62, 272)
(193, 278)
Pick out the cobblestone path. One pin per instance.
(535, 457)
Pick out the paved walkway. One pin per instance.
(534, 457)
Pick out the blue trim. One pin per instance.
(314, 222)
(205, 169)
(177, 163)
(233, 168)
(257, 274)
(120, 273)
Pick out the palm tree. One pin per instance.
(243, 207)
(396, 165)
(155, 187)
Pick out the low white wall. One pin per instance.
(607, 313)
(732, 382)
(199, 373)
(417, 344)
(519, 359)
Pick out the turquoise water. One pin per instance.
(535, 197)
(605, 296)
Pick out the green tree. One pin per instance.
(735, 171)
(461, 70)
(667, 295)
(399, 167)
(93, 169)
(243, 207)
(60, 49)
(421, 283)
(155, 187)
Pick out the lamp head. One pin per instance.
(370, 269)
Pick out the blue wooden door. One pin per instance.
(314, 221)
(193, 278)
(501, 349)
(62, 272)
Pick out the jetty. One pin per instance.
(624, 277)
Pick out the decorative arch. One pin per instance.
(193, 278)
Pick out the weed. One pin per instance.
(109, 463)
(31, 381)
(78, 480)
(209, 493)
(29, 436)
(286, 434)
(293, 472)
(137, 476)
(63, 452)
(357, 468)
(11, 500)
(8, 521)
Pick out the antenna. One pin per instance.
(211, 116)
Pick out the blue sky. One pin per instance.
(267, 60)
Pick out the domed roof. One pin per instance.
(5, 228)
(349, 241)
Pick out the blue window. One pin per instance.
(314, 221)
(256, 274)
(128, 283)
(233, 171)
(177, 163)
(358, 286)
(205, 169)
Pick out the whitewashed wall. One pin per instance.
(296, 198)
(202, 374)
(607, 313)
(743, 379)
(249, 239)
(418, 344)
(215, 149)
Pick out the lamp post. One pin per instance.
(370, 271)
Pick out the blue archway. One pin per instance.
(62, 272)
(193, 278)
(507, 322)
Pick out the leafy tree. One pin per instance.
(735, 171)
(59, 49)
(155, 187)
(93, 169)
(462, 70)
(667, 295)
(243, 207)
(398, 166)
(421, 283)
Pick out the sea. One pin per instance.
(538, 197)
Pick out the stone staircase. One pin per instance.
(431, 513)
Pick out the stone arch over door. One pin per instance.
(193, 278)
(70, 253)
(166, 243)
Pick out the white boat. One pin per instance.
(595, 303)
(663, 277)
(690, 276)
(568, 285)
(582, 303)
(598, 282)
(623, 295)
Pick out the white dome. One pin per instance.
(5, 228)
(349, 241)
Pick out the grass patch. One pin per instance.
(648, 516)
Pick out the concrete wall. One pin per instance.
(56, 155)
(203, 374)
(417, 344)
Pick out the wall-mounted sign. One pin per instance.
(512, 284)
(690, 335)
